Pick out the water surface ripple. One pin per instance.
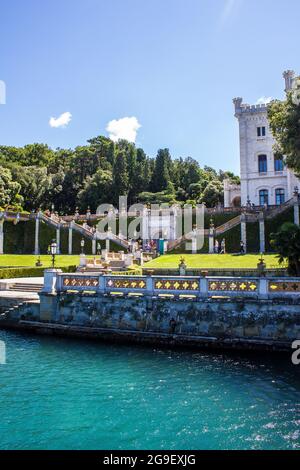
(67, 394)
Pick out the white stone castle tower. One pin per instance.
(264, 178)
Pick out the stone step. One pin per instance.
(26, 287)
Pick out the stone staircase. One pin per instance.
(9, 312)
(86, 232)
(251, 216)
(228, 225)
(25, 287)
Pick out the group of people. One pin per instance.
(220, 247)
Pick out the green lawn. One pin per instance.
(206, 261)
(30, 260)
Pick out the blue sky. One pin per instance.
(174, 65)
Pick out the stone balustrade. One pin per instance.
(180, 286)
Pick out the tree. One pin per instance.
(37, 155)
(287, 244)
(120, 177)
(161, 175)
(213, 193)
(9, 189)
(104, 149)
(128, 151)
(284, 119)
(34, 183)
(96, 190)
(195, 191)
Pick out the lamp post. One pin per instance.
(53, 249)
(82, 243)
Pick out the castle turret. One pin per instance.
(237, 104)
(288, 76)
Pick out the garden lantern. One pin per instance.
(53, 251)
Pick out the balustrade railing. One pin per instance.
(195, 286)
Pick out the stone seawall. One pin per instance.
(217, 322)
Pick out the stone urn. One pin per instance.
(182, 267)
(261, 267)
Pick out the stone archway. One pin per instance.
(236, 201)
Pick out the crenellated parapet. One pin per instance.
(242, 108)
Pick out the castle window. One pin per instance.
(263, 197)
(261, 131)
(279, 196)
(278, 163)
(262, 163)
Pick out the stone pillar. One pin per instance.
(262, 245)
(296, 210)
(211, 240)
(244, 231)
(94, 246)
(263, 288)
(194, 242)
(107, 243)
(82, 260)
(1, 236)
(203, 287)
(37, 228)
(58, 240)
(102, 284)
(50, 279)
(149, 285)
(70, 240)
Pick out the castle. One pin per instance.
(265, 180)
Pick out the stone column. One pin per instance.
(203, 287)
(244, 231)
(50, 279)
(173, 230)
(211, 240)
(1, 236)
(107, 243)
(58, 240)
(37, 228)
(262, 245)
(263, 288)
(296, 210)
(194, 244)
(70, 240)
(94, 246)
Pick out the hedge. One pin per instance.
(11, 273)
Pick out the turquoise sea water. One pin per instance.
(67, 394)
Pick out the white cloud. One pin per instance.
(62, 121)
(264, 100)
(124, 128)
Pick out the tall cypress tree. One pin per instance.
(120, 177)
(161, 175)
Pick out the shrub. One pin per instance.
(10, 273)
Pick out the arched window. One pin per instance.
(278, 163)
(262, 163)
(279, 196)
(263, 197)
